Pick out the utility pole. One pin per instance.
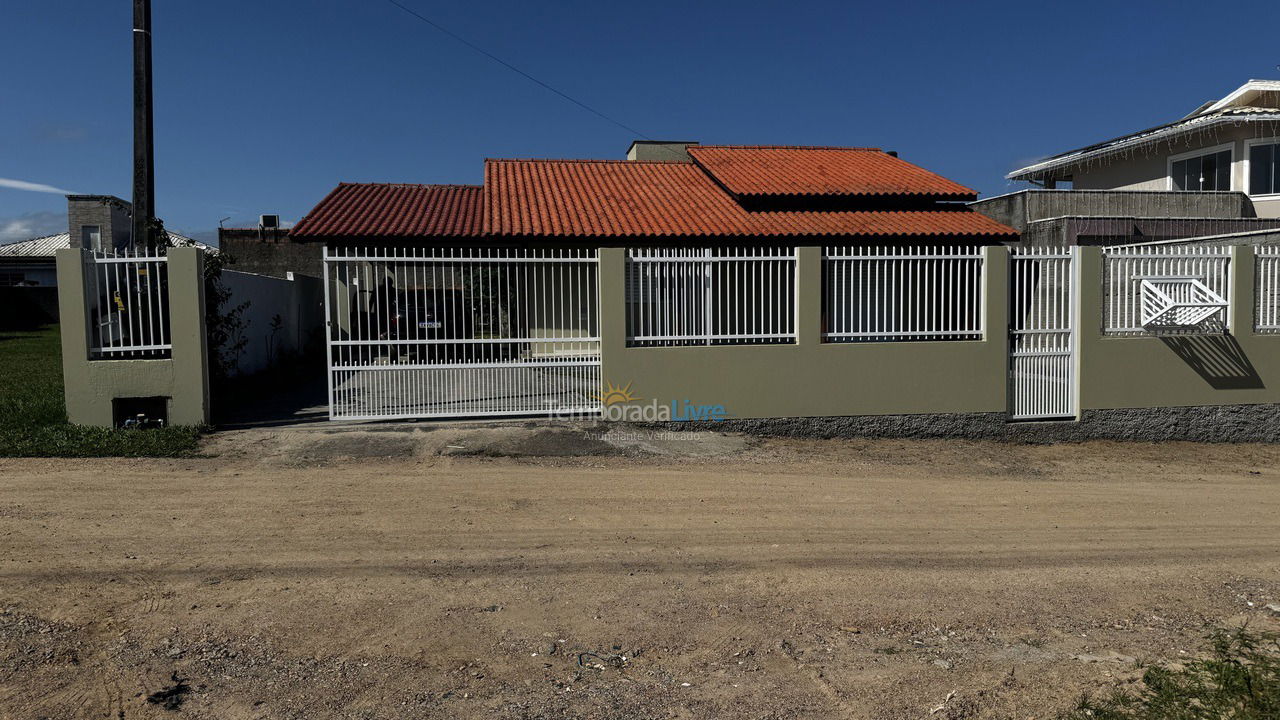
(144, 184)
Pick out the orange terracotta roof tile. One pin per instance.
(394, 210)
(602, 198)
(755, 170)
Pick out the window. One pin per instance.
(91, 237)
(1202, 172)
(1264, 169)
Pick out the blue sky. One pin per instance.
(263, 106)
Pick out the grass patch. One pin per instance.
(33, 418)
(1240, 680)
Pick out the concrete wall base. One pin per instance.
(1222, 423)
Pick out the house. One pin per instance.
(665, 194)
(30, 263)
(813, 290)
(682, 192)
(465, 300)
(1230, 144)
(1211, 175)
(28, 282)
(27, 268)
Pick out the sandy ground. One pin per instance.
(409, 574)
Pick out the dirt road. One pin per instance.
(788, 579)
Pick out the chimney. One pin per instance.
(660, 151)
(98, 222)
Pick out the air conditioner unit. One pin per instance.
(269, 222)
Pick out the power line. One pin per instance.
(517, 70)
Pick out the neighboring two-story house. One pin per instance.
(1232, 144)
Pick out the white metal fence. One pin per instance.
(1151, 289)
(710, 296)
(902, 293)
(1042, 324)
(1267, 316)
(446, 332)
(127, 293)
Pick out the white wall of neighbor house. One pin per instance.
(1149, 169)
(36, 275)
(280, 317)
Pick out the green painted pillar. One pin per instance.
(1241, 280)
(613, 311)
(73, 316)
(190, 405)
(995, 314)
(809, 296)
(1088, 321)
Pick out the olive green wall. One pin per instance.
(183, 378)
(806, 379)
(812, 378)
(1238, 368)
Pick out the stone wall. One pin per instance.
(1221, 423)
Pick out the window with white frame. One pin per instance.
(1264, 167)
(710, 296)
(1205, 171)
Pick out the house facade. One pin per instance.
(1230, 144)
(810, 290)
(528, 294)
(28, 271)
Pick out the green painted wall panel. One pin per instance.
(812, 378)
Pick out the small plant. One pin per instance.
(224, 323)
(1240, 680)
(277, 324)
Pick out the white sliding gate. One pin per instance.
(1042, 325)
(456, 332)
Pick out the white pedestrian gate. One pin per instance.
(454, 332)
(1042, 325)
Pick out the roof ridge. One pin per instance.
(858, 148)
(585, 161)
(412, 185)
(35, 239)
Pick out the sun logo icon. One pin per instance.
(614, 394)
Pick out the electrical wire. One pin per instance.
(517, 70)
